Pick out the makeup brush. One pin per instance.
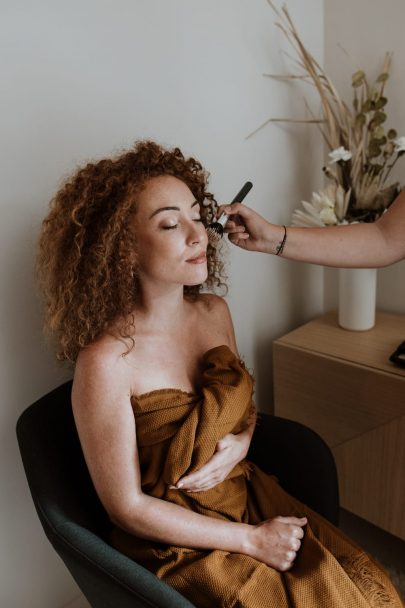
(215, 230)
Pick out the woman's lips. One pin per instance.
(200, 259)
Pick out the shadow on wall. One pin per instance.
(298, 299)
(28, 370)
(31, 361)
(264, 376)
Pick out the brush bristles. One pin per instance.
(215, 231)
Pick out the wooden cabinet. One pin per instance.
(341, 384)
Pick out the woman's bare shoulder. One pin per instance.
(216, 314)
(101, 369)
(212, 303)
(105, 352)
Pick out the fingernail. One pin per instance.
(180, 485)
(172, 488)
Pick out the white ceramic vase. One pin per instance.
(357, 298)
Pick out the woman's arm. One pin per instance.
(106, 428)
(356, 246)
(232, 448)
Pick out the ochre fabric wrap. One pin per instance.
(177, 433)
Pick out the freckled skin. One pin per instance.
(171, 334)
(361, 245)
(170, 237)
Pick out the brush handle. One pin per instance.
(238, 199)
(242, 192)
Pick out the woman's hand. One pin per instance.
(276, 541)
(229, 451)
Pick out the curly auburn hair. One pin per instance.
(87, 262)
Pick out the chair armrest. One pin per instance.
(108, 578)
(300, 459)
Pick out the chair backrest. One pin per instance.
(72, 515)
(54, 463)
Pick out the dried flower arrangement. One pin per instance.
(362, 152)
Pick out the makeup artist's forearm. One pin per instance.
(165, 522)
(360, 245)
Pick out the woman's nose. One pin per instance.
(197, 233)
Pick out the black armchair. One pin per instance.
(76, 523)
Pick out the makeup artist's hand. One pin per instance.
(230, 450)
(249, 230)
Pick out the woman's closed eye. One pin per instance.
(173, 226)
(169, 227)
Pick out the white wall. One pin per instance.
(84, 78)
(366, 30)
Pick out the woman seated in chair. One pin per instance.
(163, 402)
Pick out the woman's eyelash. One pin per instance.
(199, 219)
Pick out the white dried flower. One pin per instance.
(400, 144)
(327, 207)
(328, 216)
(324, 199)
(339, 154)
(300, 218)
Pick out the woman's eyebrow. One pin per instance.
(170, 209)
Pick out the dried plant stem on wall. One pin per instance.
(362, 151)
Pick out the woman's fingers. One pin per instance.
(290, 556)
(275, 541)
(298, 532)
(292, 534)
(230, 450)
(227, 455)
(297, 521)
(232, 227)
(207, 475)
(294, 529)
(248, 229)
(237, 209)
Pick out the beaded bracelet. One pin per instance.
(280, 246)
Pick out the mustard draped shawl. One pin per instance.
(177, 433)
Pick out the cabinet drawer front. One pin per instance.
(337, 399)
